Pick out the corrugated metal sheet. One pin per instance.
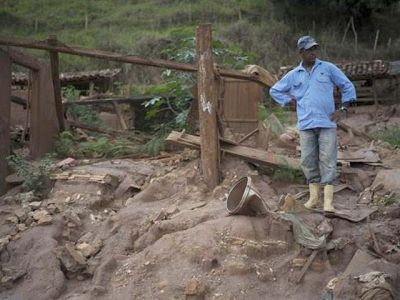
(69, 78)
(239, 104)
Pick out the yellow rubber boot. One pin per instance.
(314, 196)
(328, 198)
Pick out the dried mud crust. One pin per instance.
(171, 240)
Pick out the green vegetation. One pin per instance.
(288, 174)
(84, 113)
(68, 144)
(266, 28)
(390, 135)
(34, 175)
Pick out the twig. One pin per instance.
(248, 135)
(307, 265)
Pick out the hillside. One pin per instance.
(265, 30)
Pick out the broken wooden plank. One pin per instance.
(307, 265)
(96, 178)
(248, 135)
(246, 153)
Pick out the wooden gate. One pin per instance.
(239, 104)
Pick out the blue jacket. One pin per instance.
(313, 93)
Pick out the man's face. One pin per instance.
(309, 56)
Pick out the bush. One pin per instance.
(34, 176)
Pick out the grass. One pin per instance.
(390, 135)
(68, 145)
(253, 25)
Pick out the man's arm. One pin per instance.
(280, 91)
(345, 85)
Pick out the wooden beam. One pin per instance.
(5, 107)
(120, 116)
(43, 117)
(24, 60)
(18, 100)
(246, 153)
(130, 100)
(55, 75)
(133, 59)
(208, 103)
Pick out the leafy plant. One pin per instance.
(83, 112)
(34, 175)
(157, 143)
(65, 144)
(69, 145)
(174, 95)
(288, 174)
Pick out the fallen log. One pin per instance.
(246, 153)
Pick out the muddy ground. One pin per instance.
(151, 229)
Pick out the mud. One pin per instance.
(164, 235)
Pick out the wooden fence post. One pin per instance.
(208, 103)
(55, 74)
(5, 107)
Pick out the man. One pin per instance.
(310, 86)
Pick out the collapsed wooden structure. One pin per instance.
(367, 76)
(48, 114)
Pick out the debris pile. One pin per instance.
(151, 229)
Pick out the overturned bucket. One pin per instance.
(244, 199)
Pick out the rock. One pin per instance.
(163, 284)
(8, 229)
(4, 241)
(73, 217)
(39, 214)
(195, 287)
(389, 178)
(298, 262)
(66, 163)
(21, 214)
(9, 200)
(35, 204)
(21, 227)
(236, 266)
(11, 275)
(69, 262)
(76, 255)
(12, 219)
(14, 179)
(26, 197)
(45, 220)
(86, 249)
(52, 208)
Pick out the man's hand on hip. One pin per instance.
(340, 114)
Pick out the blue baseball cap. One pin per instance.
(306, 42)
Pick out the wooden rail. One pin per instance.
(57, 46)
